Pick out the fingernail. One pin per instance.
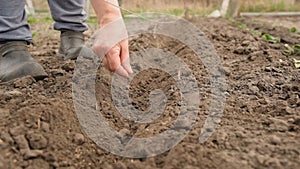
(122, 72)
(130, 71)
(127, 67)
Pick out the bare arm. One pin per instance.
(117, 58)
(106, 10)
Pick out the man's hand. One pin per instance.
(117, 58)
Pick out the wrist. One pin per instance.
(107, 11)
(109, 17)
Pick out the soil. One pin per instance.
(260, 127)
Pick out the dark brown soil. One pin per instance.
(260, 127)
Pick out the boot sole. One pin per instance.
(26, 69)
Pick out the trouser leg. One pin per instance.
(68, 15)
(13, 21)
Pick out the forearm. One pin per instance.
(106, 10)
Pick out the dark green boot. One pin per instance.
(71, 44)
(16, 62)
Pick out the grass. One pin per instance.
(92, 19)
(39, 19)
(267, 6)
(243, 26)
(46, 18)
(294, 30)
(198, 8)
(271, 39)
(174, 11)
(292, 50)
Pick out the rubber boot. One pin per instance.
(71, 44)
(16, 62)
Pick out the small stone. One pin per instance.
(254, 89)
(107, 166)
(293, 99)
(275, 140)
(24, 82)
(14, 93)
(55, 165)
(19, 130)
(37, 141)
(270, 58)
(21, 142)
(2, 162)
(70, 167)
(246, 43)
(274, 69)
(297, 122)
(291, 120)
(124, 132)
(268, 69)
(261, 159)
(263, 101)
(227, 71)
(253, 56)
(50, 157)
(227, 145)
(274, 162)
(39, 163)
(275, 45)
(57, 72)
(65, 164)
(45, 126)
(29, 154)
(252, 153)
(100, 152)
(251, 49)
(289, 110)
(239, 50)
(7, 138)
(69, 66)
(120, 165)
(279, 125)
(78, 139)
(4, 113)
(240, 134)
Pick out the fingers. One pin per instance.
(113, 58)
(117, 58)
(118, 69)
(113, 61)
(121, 71)
(124, 55)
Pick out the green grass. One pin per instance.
(265, 6)
(292, 50)
(33, 34)
(174, 11)
(271, 39)
(243, 26)
(47, 19)
(93, 20)
(39, 19)
(31, 20)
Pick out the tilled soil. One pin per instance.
(260, 127)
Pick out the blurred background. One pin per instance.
(196, 7)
